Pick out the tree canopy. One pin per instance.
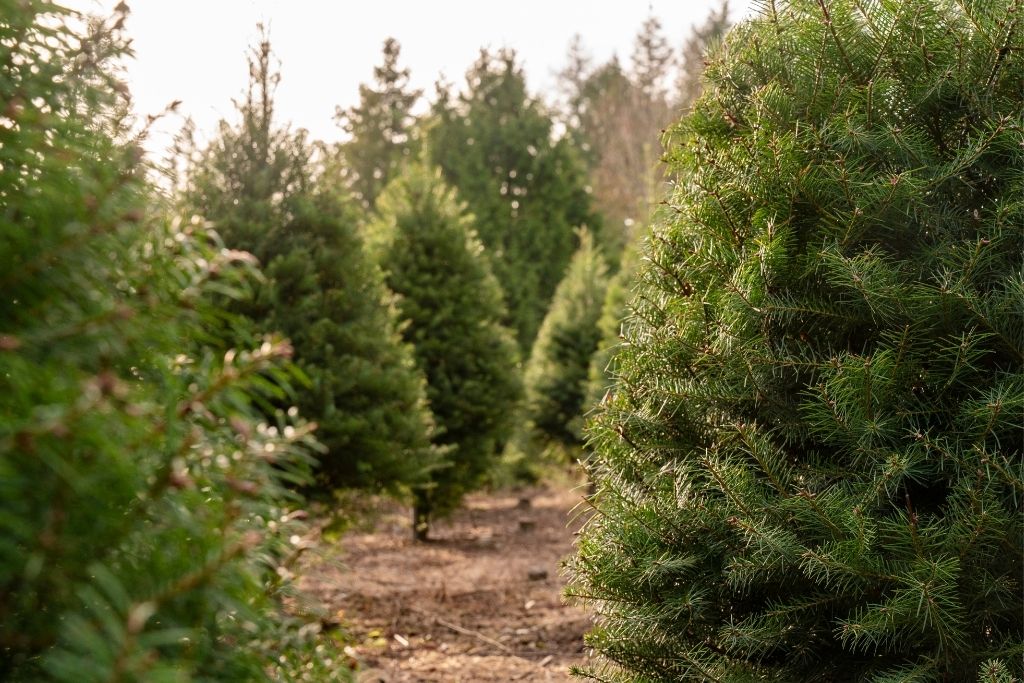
(381, 129)
(526, 188)
(136, 474)
(810, 468)
(258, 184)
(557, 373)
(453, 308)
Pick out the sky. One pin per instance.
(195, 50)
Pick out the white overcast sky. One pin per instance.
(194, 50)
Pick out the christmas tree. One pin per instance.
(452, 306)
(136, 476)
(557, 373)
(258, 184)
(381, 129)
(525, 187)
(812, 465)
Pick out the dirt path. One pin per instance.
(480, 602)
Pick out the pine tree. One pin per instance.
(453, 308)
(811, 468)
(526, 189)
(135, 476)
(258, 185)
(242, 177)
(381, 128)
(556, 374)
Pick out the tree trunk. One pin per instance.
(420, 517)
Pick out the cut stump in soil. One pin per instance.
(470, 605)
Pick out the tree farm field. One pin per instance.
(480, 601)
(290, 407)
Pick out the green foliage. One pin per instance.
(453, 308)
(257, 183)
(382, 135)
(145, 514)
(526, 189)
(812, 465)
(618, 116)
(366, 393)
(614, 309)
(242, 178)
(557, 372)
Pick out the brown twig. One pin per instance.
(476, 634)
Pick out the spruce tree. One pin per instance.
(811, 467)
(557, 372)
(256, 182)
(452, 306)
(526, 188)
(381, 128)
(136, 478)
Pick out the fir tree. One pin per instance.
(381, 128)
(556, 374)
(453, 308)
(135, 475)
(257, 183)
(526, 189)
(242, 177)
(365, 392)
(811, 469)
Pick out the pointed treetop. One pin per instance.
(652, 58)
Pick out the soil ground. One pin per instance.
(481, 601)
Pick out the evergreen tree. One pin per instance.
(135, 476)
(366, 394)
(695, 54)
(381, 128)
(243, 176)
(652, 58)
(256, 182)
(453, 308)
(525, 188)
(572, 83)
(556, 374)
(620, 114)
(614, 309)
(811, 469)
